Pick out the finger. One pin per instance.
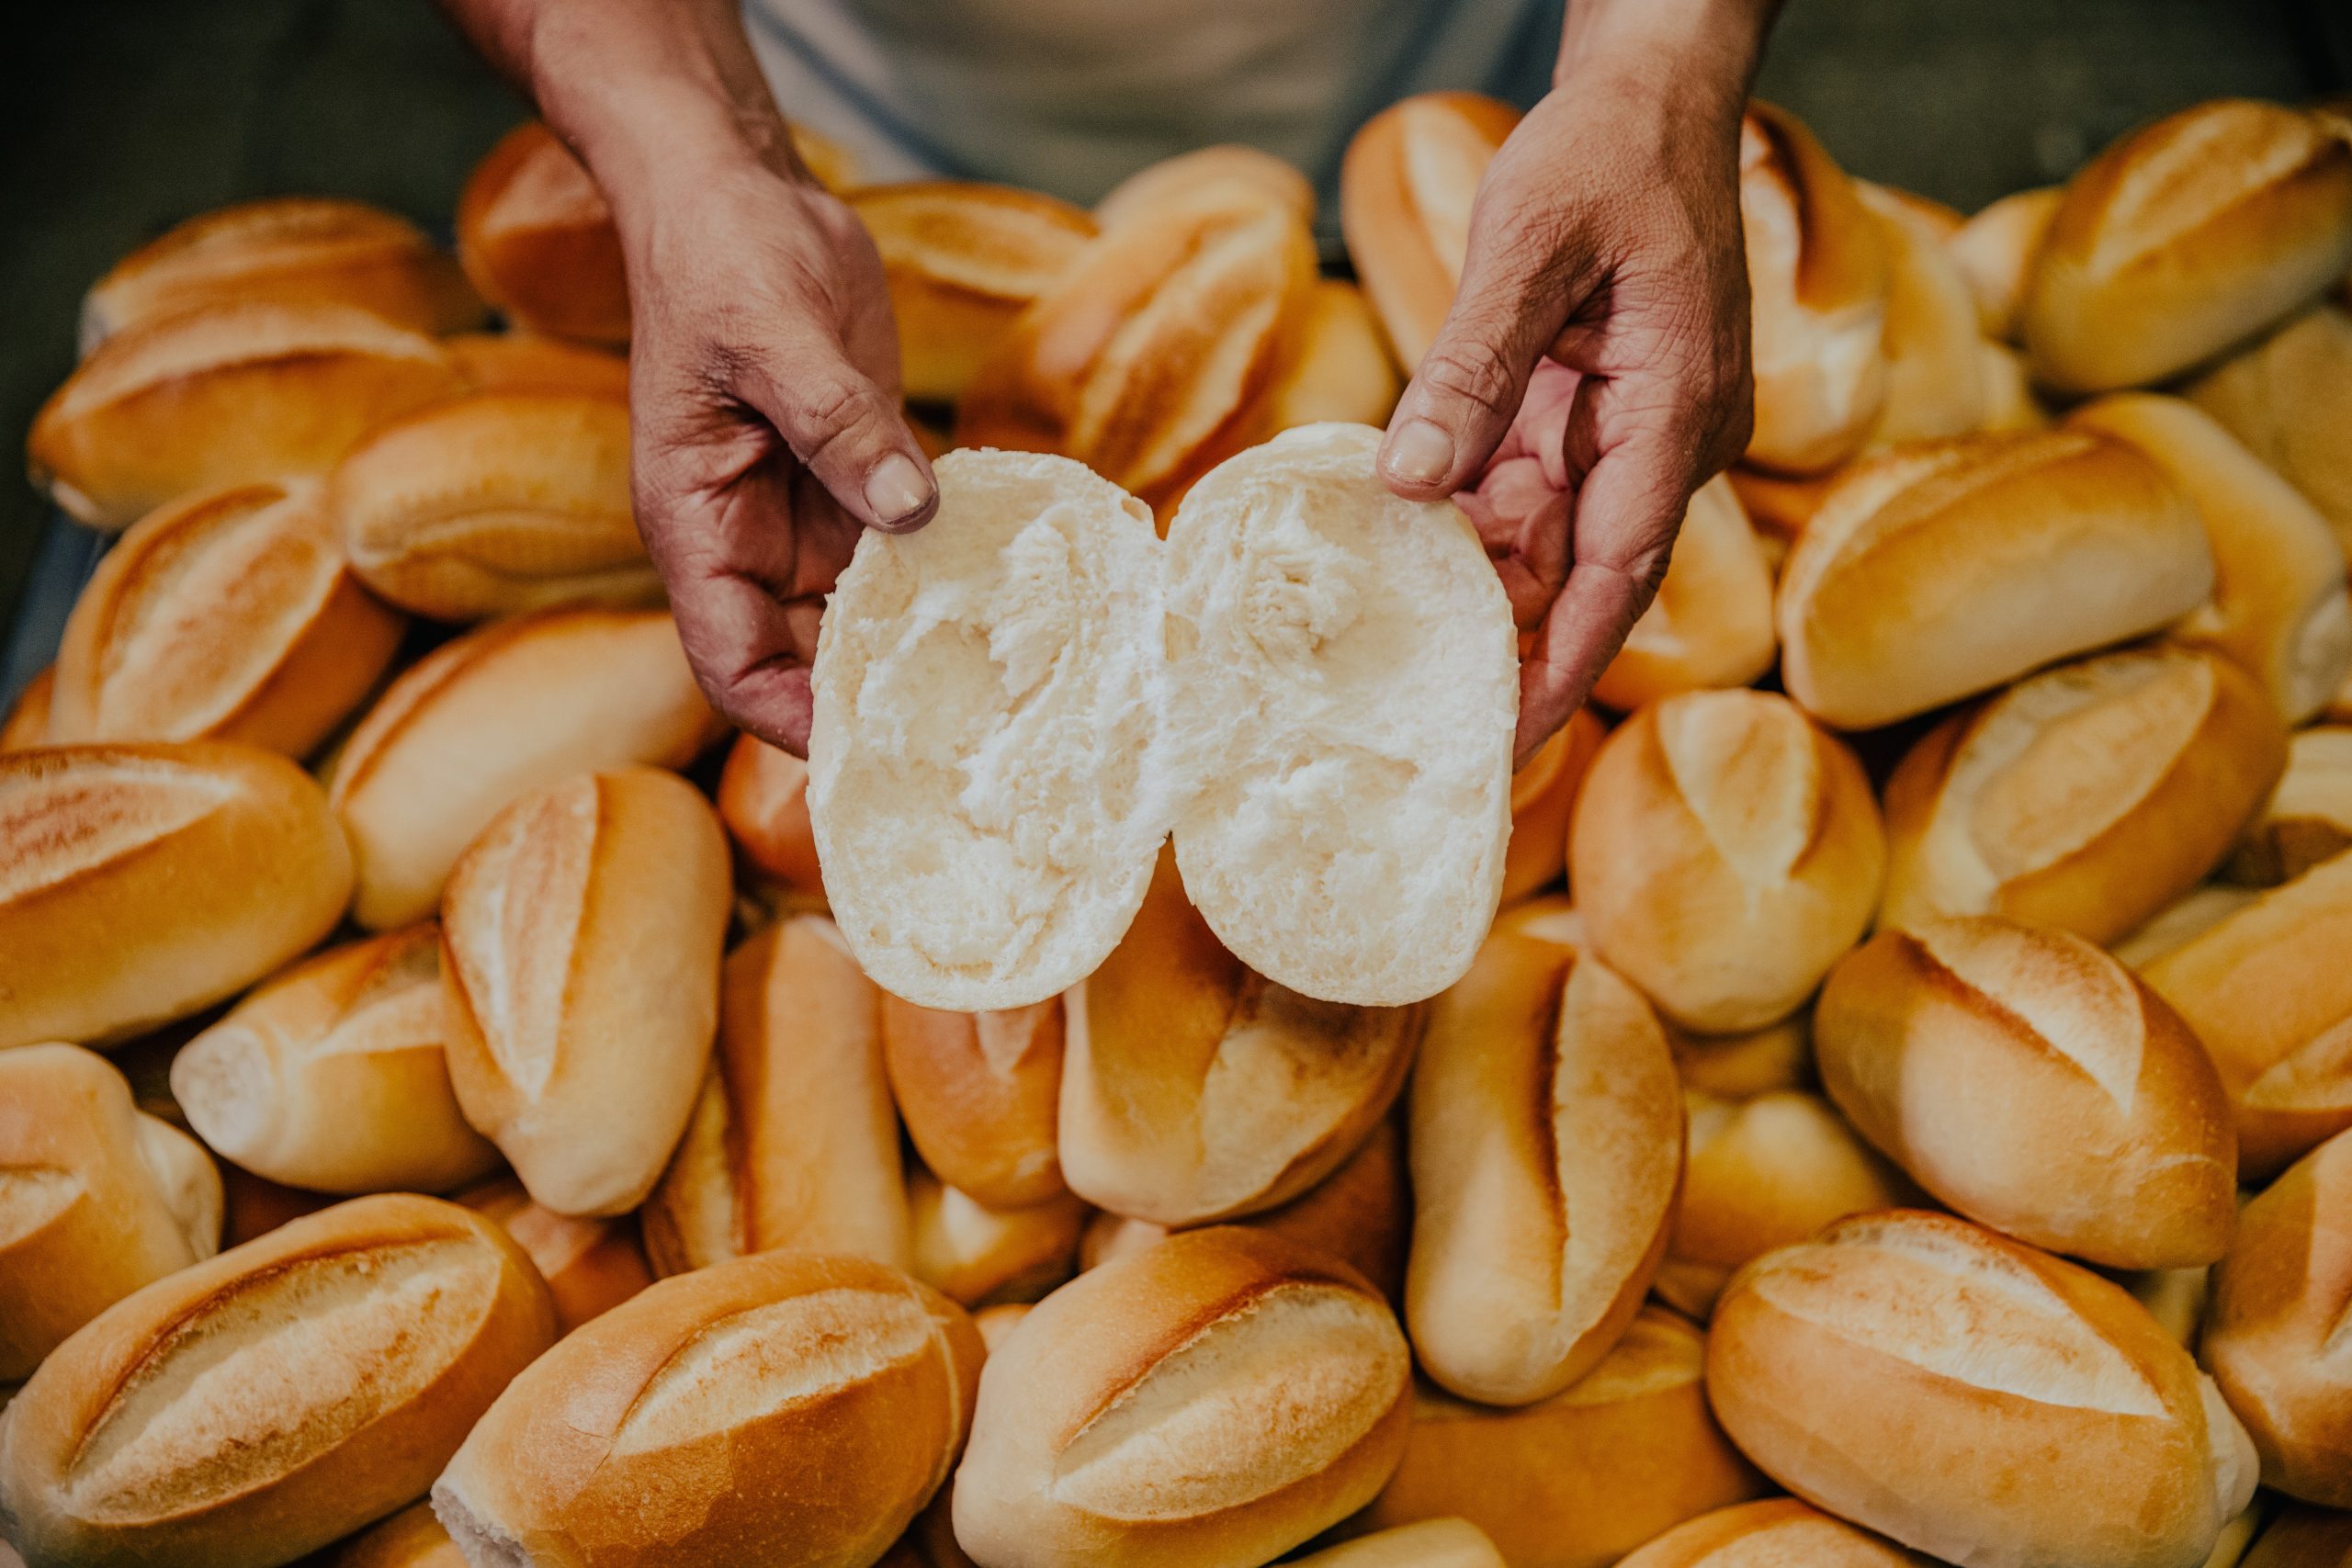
(849, 432)
(1523, 523)
(1588, 625)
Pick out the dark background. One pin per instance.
(119, 116)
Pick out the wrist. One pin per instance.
(1681, 49)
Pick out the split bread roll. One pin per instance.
(1584, 1477)
(2185, 237)
(1935, 364)
(1543, 798)
(2037, 1086)
(763, 800)
(2289, 397)
(1234, 172)
(2086, 797)
(2308, 818)
(1211, 1401)
(1973, 1399)
(1728, 813)
(1995, 251)
(580, 962)
(2274, 1337)
(2279, 602)
(843, 1385)
(297, 250)
(227, 615)
(1711, 623)
(26, 722)
(410, 1539)
(980, 1094)
(978, 1255)
(1342, 371)
(1432, 1544)
(1779, 1532)
(494, 505)
(1194, 1090)
(139, 884)
(494, 715)
(538, 240)
(230, 394)
(2186, 918)
(528, 362)
(261, 1404)
(962, 259)
(1941, 570)
(97, 1199)
(331, 1076)
(591, 1265)
(1546, 1149)
(1405, 187)
(792, 1143)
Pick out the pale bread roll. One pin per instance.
(1406, 188)
(1937, 571)
(262, 1403)
(227, 615)
(2303, 1538)
(528, 362)
(331, 1076)
(2037, 1086)
(1543, 798)
(1995, 251)
(494, 715)
(579, 971)
(141, 883)
(591, 1265)
(1729, 812)
(980, 1256)
(792, 1143)
(2308, 818)
(410, 1539)
(995, 1323)
(1237, 172)
(2176, 1298)
(2192, 914)
(1935, 367)
(2289, 397)
(97, 1199)
(1779, 1532)
(27, 724)
(980, 1094)
(843, 1385)
(1210, 1401)
(1342, 370)
(1432, 1544)
(536, 239)
(1711, 623)
(764, 801)
(1973, 1399)
(2086, 797)
(1194, 1090)
(1546, 1151)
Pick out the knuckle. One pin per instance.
(1472, 376)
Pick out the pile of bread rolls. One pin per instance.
(1901, 1113)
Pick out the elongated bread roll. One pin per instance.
(2195, 912)
(980, 1094)
(1342, 371)
(2037, 1086)
(1974, 1399)
(2289, 397)
(2010, 402)
(538, 240)
(97, 1199)
(528, 362)
(1405, 192)
(494, 715)
(1935, 366)
(591, 1265)
(1582, 1478)
(1212, 1402)
(26, 723)
(2086, 797)
(2278, 599)
(1235, 171)
(1778, 507)
(580, 968)
(1779, 1532)
(2308, 818)
(1995, 251)
(410, 1539)
(495, 504)
(792, 1143)
(1195, 1090)
(841, 1383)
(260, 1404)
(2185, 237)
(1543, 798)
(331, 1076)
(139, 884)
(1546, 1150)
(227, 615)
(1711, 623)
(1728, 813)
(978, 1255)
(1935, 572)
(1431, 1543)
(764, 801)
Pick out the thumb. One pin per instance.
(845, 430)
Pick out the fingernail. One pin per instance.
(1421, 453)
(896, 490)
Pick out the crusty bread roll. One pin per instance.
(290, 250)
(2263, 991)
(260, 1404)
(1234, 172)
(980, 1094)
(2184, 238)
(491, 715)
(841, 1384)
(1762, 1172)
(410, 1539)
(495, 504)
(1818, 276)
(2010, 402)
(1728, 813)
(1741, 1066)
(1194, 1090)
(226, 615)
(139, 884)
(1779, 1532)
(1405, 192)
(230, 394)
(1995, 251)
(962, 260)
(1778, 507)
(2279, 598)
(2086, 797)
(1935, 364)
(764, 801)
(97, 1199)
(529, 362)
(792, 1141)
(1580, 1480)
(1543, 798)
(26, 724)
(1973, 1399)
(1711, 623)
(2303, 1538)
(1546, 1149)
(2194, 913)
(2273, 1339)
(1941, 571)
(579, 971)
(978, 1255)
(2037, 1086)
(2308, 818)
(1210, 1401)
(1342, 371)
(2289, 397)
(538, 240)
(591, 1265)
(331, 1075)
(1431, 1543)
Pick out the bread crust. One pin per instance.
(536, 240)
(1404, 191)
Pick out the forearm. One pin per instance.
(1682, 49)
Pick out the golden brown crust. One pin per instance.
(1405, 192)
(591, 1265)
(763, 800)
(1995, 251)
(2289, 397)
(1543, 798)
(2308, 818)
(980, 1094)
(1778, 1532)
(980, 1255)
(528, 362)
(410, 1539)
(27, 724)
(538, 240)
(1711, 623)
